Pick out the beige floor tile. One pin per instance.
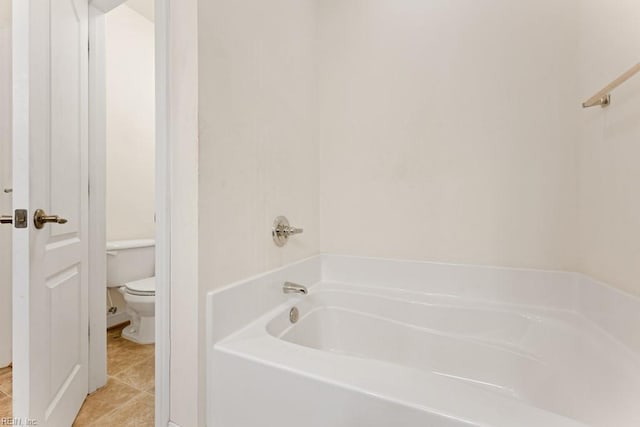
(115, 393)
(128, 398)
(6, 407)
(120, 360)
(122, 344)
(116, 331)
(146, 350)
(137, 413)
(7, 389)
(117, 344)
(116, 341)
(6, 382)
(140, 375)
(92, 410)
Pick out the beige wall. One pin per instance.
(609, 214)
(434, 140)
(130, 125)
(448, 129)
(258, 150)
(5, 181)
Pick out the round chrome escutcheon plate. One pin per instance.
(294, 315)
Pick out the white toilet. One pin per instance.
(131, 268)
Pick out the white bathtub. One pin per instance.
(408, 353)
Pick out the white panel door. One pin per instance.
(50, 279)
(5, 182)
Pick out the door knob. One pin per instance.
(40, 218)
(6, 219)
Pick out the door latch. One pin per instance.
(21, 218)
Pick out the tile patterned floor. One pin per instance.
(6, 385)
(128, 397)
(126, 400)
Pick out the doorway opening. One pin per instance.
(123, 104)
(50, 58)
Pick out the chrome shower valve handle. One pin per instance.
(281, 231)
(290, 231)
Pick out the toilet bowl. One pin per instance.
(131, 269)
(140, 296)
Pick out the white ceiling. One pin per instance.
(143, 7)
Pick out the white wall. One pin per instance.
(258, 150)
(448, 129)
(130, 87)
(609, 244)
(5, 181)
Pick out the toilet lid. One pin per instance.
(142, 287)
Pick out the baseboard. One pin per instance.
(116, 319)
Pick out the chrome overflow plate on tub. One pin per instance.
(294, 315)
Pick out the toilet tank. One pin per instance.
(129, 260)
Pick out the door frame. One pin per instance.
(176, 52)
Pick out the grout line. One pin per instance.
(112, 336)
(113, 411)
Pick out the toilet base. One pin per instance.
(142, 330)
